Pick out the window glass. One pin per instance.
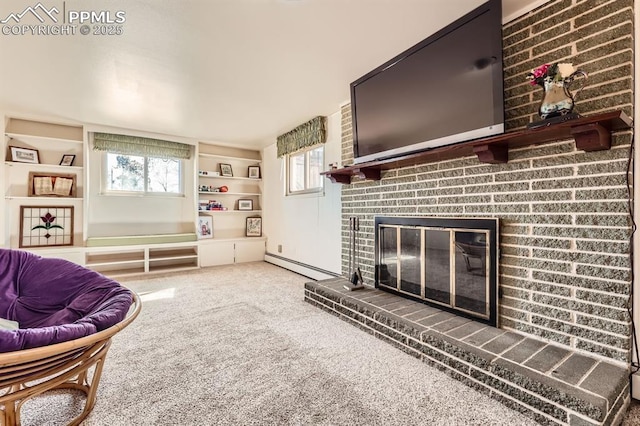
(296, 172)
(303, 171)
(315, 167)
(125, 172)
(164, 175)
(131, 173)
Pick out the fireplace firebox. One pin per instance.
(445, 262)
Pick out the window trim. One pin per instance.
(105, 190)
(315, 190)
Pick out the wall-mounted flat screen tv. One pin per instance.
(444, 90)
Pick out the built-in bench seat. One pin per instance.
(127, 240)
(137, 254)
(548, 383)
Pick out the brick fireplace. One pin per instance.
(564, 270)
(562, 347)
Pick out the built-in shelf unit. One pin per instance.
(228, 194)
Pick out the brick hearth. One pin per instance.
(549, 383)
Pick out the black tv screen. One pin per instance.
(444, 90)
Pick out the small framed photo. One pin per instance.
(225, 170)
(205, 227)
(245, 204)
(67, 160)
(24, 155)
(254, 227)
(254, 172)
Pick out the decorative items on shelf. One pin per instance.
(556, 80)
(67, 160)
(211, 205)
(208, 173)
(43, 226)
(210, 188)
(254, 227)
(51, 185)
(24, 155)
(254, 172)
(245, 204)
(226, 170)
(205, 227)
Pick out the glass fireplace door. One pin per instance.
(444, 266)
(437, 255)
(471, 285)
(411, 269)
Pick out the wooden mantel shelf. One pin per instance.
(591, 133)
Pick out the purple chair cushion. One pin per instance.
(55, 300)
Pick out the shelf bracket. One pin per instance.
(591, 137)
(346, 179)
(371, 174)
(492, 153)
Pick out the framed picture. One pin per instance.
(43, 226)
(67, 160)
(254, 172)
(43, 184)
(254, 227)
(24, 155)
(205, 227)
(225, 170)
(245, 204)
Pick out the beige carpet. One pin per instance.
(236, 345)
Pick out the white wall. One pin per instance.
(307, 226)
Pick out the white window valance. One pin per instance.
(137, 145)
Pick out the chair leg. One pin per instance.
(9, 415)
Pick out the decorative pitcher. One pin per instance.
(557, 96)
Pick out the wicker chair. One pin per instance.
(32, 372)
(66, 334)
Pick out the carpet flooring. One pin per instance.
(236, 345)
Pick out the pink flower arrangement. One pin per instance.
(539, 72)
(557, 72)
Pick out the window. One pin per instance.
(303, 171)
(140, 174)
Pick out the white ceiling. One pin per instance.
(231, 71)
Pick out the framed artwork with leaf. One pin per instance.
(46, 226)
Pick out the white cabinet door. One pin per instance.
(214, 253)
(250, 251)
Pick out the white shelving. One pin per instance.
(229, 178)
(248, 194)
(229, 243)
(230, 157)
(120, 261)
(52, 142)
